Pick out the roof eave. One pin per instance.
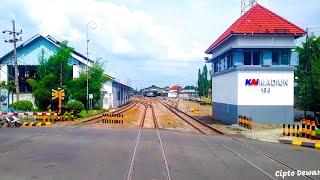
(209, 51)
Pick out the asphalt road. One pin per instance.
(93, 153)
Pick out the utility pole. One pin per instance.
(305, 74)
(14, 41)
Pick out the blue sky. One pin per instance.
(148, 41)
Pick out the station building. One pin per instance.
(113, 93)
(153, 91)
(253, 65)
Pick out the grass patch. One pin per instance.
(207, 100)
(84, 113)
(317, 133)
(237, 130)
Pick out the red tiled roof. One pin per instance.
(176, 88)
(259, 20)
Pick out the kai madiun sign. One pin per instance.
(265, 84)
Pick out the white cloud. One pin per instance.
(122, 46)
(172, 34)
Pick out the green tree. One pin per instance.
(50, 72)
(205, 80)
(308, 74)
(43, 62)
(96, 77)
(200, 87)
(189, 87)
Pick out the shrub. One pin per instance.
(76, 106)
(22, 105)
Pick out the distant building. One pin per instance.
(115, 94)
(188, 94)
(27, 56)
(152, 91)
(253, 65)
(174, 91)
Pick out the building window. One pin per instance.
(275, 58)
(230, 61)
(215, 67)
(26, 73)
(247, 57)
(256, 58)
(285, 58)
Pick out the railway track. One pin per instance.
(195, 123)
(178, 112)
(147, 105)
(98, 117)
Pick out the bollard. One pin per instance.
(239, 120)
(298, 131)
(308, 129)
(284, 129)
(25, 116)
(72, 115)
(250, 123)
(288, 129)
(66, 116)
(313, 130)
(303, 127)
(293, 130)
(44, 116)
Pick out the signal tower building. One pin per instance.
(253, 65)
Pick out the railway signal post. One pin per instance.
(60, 95)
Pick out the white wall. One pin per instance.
(252, 95)
(172, 94)
(107, 101)
(107, 87)
(255, 41)
(224, 88)
(108, 96)
(228, 44)
(272, 41)
(76, 71)
(4, 72)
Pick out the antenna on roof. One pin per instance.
(246, 5)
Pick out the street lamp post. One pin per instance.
(93, 26)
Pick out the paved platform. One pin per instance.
(101, 153)
(299, 141)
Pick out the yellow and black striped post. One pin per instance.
(303, 128)
(298, 131)
(308, 129)
(288, 129)
(250, 121)
(239, 120)
(66, 117)
(284, 129)
(72, 115)
(293, 130)
(313, 129)
(122, 118)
